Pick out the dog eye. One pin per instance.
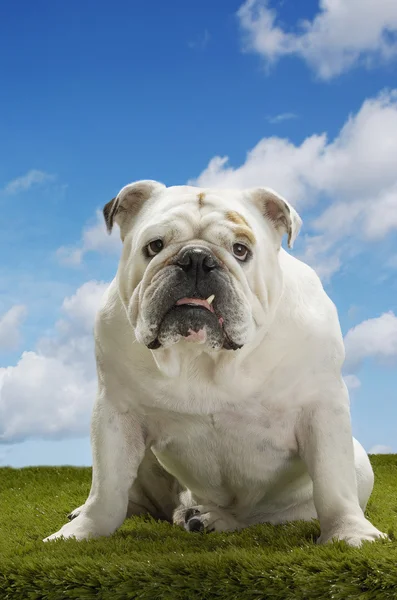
(154, 247)
(240, 251)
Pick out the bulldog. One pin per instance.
(220, 398)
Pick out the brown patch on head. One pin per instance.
(245, 232)
(241, 228)
(236, 218)
(200, 199)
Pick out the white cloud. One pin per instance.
(95, 238)
(352, 382)
(354, 177)
(10, 324)
(319, 253)
(381, 217)
(81, 308)
(380, 449)
(50, 391)
(342, 35)
(359, 162)
(374, 338)
(282, 117)
(69, 256)
(25, 182)
(275, 162)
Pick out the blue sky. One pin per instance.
(95, 95)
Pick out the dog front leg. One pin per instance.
(326, 446)
(118, 449)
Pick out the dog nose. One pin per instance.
(197, 260)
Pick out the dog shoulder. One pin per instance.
(303, 287)
(112, 330)
(310, 308)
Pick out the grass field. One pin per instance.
(148, 560)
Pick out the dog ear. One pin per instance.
(128, 203)
(279, 212)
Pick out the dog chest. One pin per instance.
(226, 453)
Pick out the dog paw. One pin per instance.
(80, 529)
(354, 533)
(203, 518)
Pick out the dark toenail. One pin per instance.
(71, 516)
(195, 524)
(190, 513)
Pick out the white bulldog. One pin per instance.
(220, 397)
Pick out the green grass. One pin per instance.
(148, 560)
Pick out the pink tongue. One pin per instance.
(195, 301)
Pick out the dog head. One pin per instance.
(199, 265)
